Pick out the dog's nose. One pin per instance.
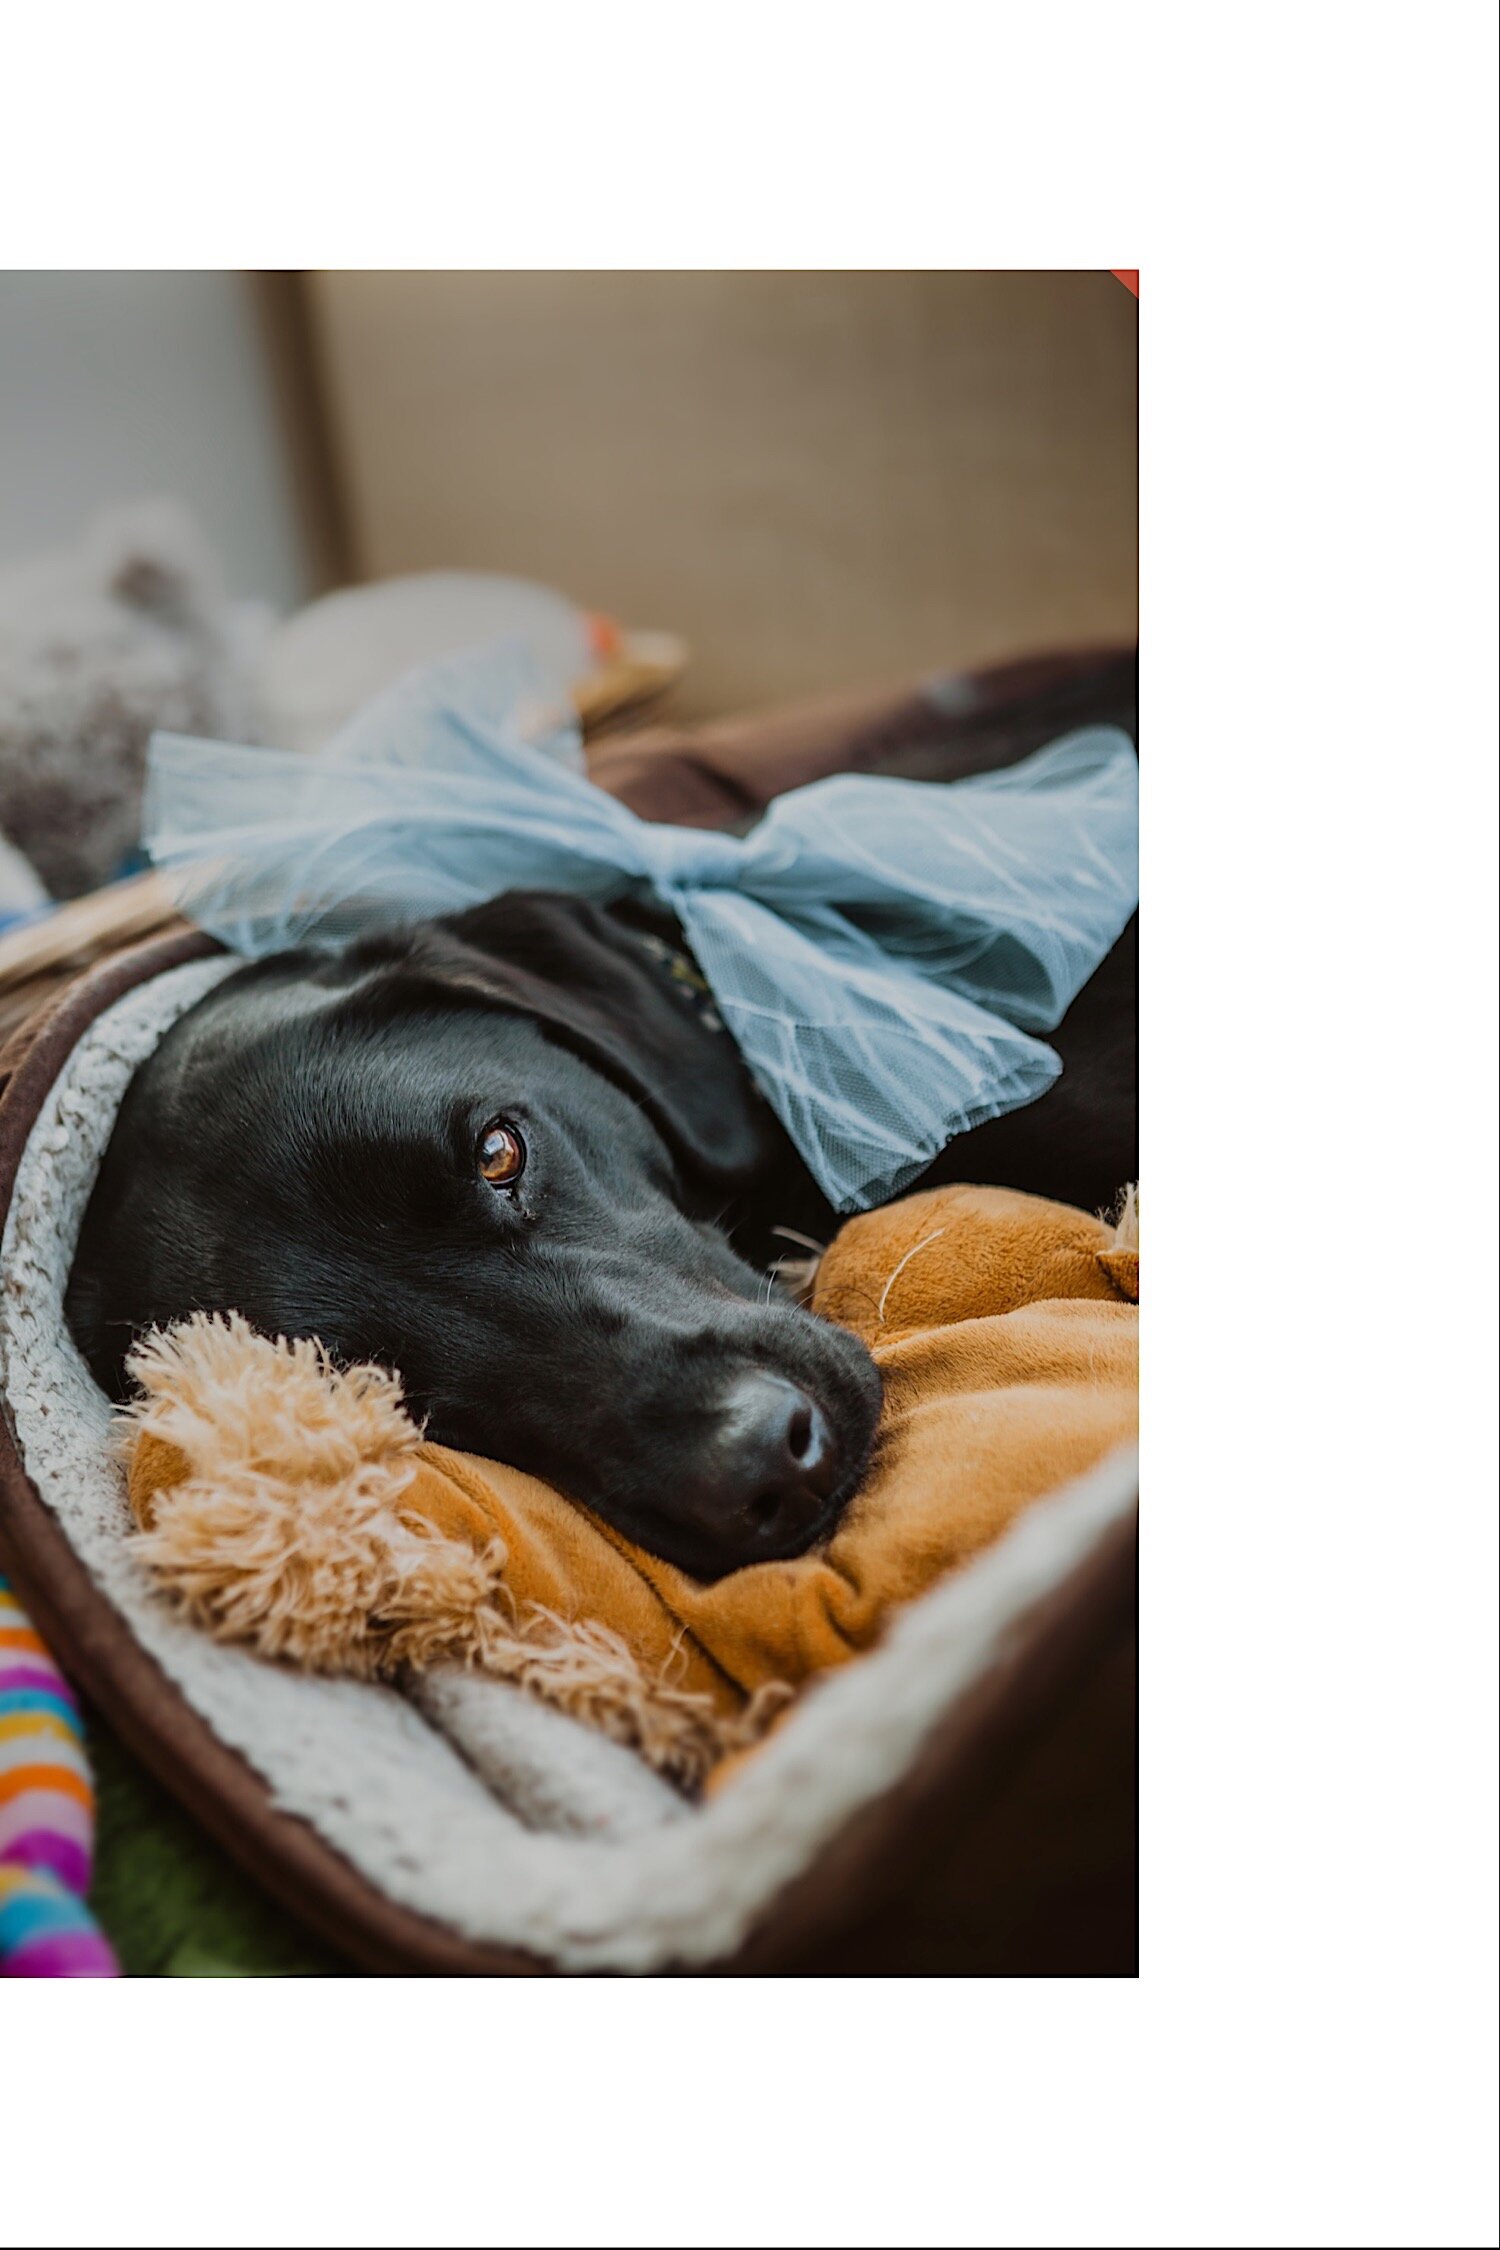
(779, 1456)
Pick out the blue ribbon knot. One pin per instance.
(883, 951)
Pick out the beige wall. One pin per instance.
(819, 478)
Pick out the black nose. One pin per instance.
(779, 1458)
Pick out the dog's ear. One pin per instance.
(609, 994)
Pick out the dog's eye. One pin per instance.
(502, 1155)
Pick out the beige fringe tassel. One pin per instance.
(289, 1535)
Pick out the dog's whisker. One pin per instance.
(901, 1268)
(807, 1241)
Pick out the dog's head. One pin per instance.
(491, 1154)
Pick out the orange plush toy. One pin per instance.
(296, 1507)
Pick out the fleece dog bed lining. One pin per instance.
(502, 1821)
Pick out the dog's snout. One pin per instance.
(779, 1457)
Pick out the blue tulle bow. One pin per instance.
(883, 951)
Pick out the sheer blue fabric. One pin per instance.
(884, 952)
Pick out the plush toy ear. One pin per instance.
(1122, 1259)
(153, 558)
(595, 985)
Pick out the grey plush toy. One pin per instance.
(99, 643)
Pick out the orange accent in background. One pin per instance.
(1131, 276)
(605, 636)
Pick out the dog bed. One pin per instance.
(959, 1799)
(515, 1839)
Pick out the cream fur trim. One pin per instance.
(289, 1534)
(1126, 1219)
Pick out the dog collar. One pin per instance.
(684, 976)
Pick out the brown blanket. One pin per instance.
(297, 1508)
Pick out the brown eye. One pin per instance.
(502, 1155)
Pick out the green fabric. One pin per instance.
(169, 1900)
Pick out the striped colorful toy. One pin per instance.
(46, 1815)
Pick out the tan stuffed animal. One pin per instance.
(297, 1508)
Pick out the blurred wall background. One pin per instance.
(818, 479)
(116, 386)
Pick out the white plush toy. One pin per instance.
(128, 630)
(132, 630)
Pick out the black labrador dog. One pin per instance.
(498, 1153)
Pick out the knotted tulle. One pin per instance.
(883, 951)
